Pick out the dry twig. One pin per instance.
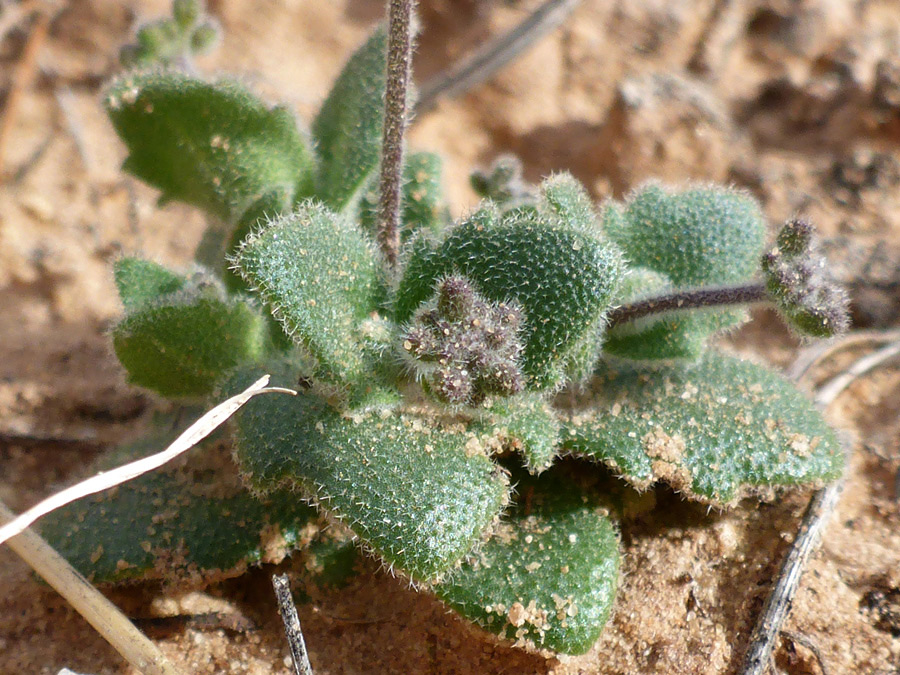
(288, 612)
(816, 517)
(484, 63)
(87, 601)
(199, 430)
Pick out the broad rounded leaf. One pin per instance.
(186, 523)
(418, 495)
(701, 236)
(715, 430)
(210, 144)
(562, 276)
(181, 344)
(319, 275)
(547, 577)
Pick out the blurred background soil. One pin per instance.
(797, 101)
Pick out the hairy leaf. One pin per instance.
(526, 424)
(714, 430)
(547, 577)
(319, 275)
(697, 237)
(210, 144)
(561, 275)
(141, 281)
(418, 495)
(347, 129)
(190, 523)
(182, 343)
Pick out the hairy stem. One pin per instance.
(697, 298)
(400, 15)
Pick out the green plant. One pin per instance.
(443, 367)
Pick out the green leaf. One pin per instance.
(141, 281)
(210, 144)
(417, 494)
(319, 276)
(182, 343)
(192, 523)
(271, 206)
(565, 198)
(347, 129)
(562, 275)
(526, 424)
(697, 237)
(423, 207)
(547, 577)
(423, 264)
(715, 430)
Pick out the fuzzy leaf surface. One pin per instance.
(181, 344)
(187, 524)
(527, 424)
(423, 206)
(347, 129)
(410, 491)
(562, 276)
(319, 275)
(548, 575)
(697, 237)
(715, 430)
(141, 281)
(210, 144)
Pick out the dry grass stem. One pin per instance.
(199, 430)
(815, 519)
(105, 617)
(484, 63)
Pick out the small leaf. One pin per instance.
(181, 344)
(141, 281)
(191, 523)
(561, 275)
(715, 430)
(565, 198)
(547, 577)
(697, 237)
(319, 276)
(528, 425)
(214, 145)
(423, 206)
(417, 494)
(347, 129)
(271, 206)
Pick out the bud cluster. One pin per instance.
(800, 282)
(466, 347)
(503, 182)
(167, 41)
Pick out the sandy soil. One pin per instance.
(795, 100)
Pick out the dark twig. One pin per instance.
(815, 519)
(762, 640)
(400, 37)
(697, 298)
(22, 78)
(288, 612)
(800, 639)
(485, 62)
(814, 354)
